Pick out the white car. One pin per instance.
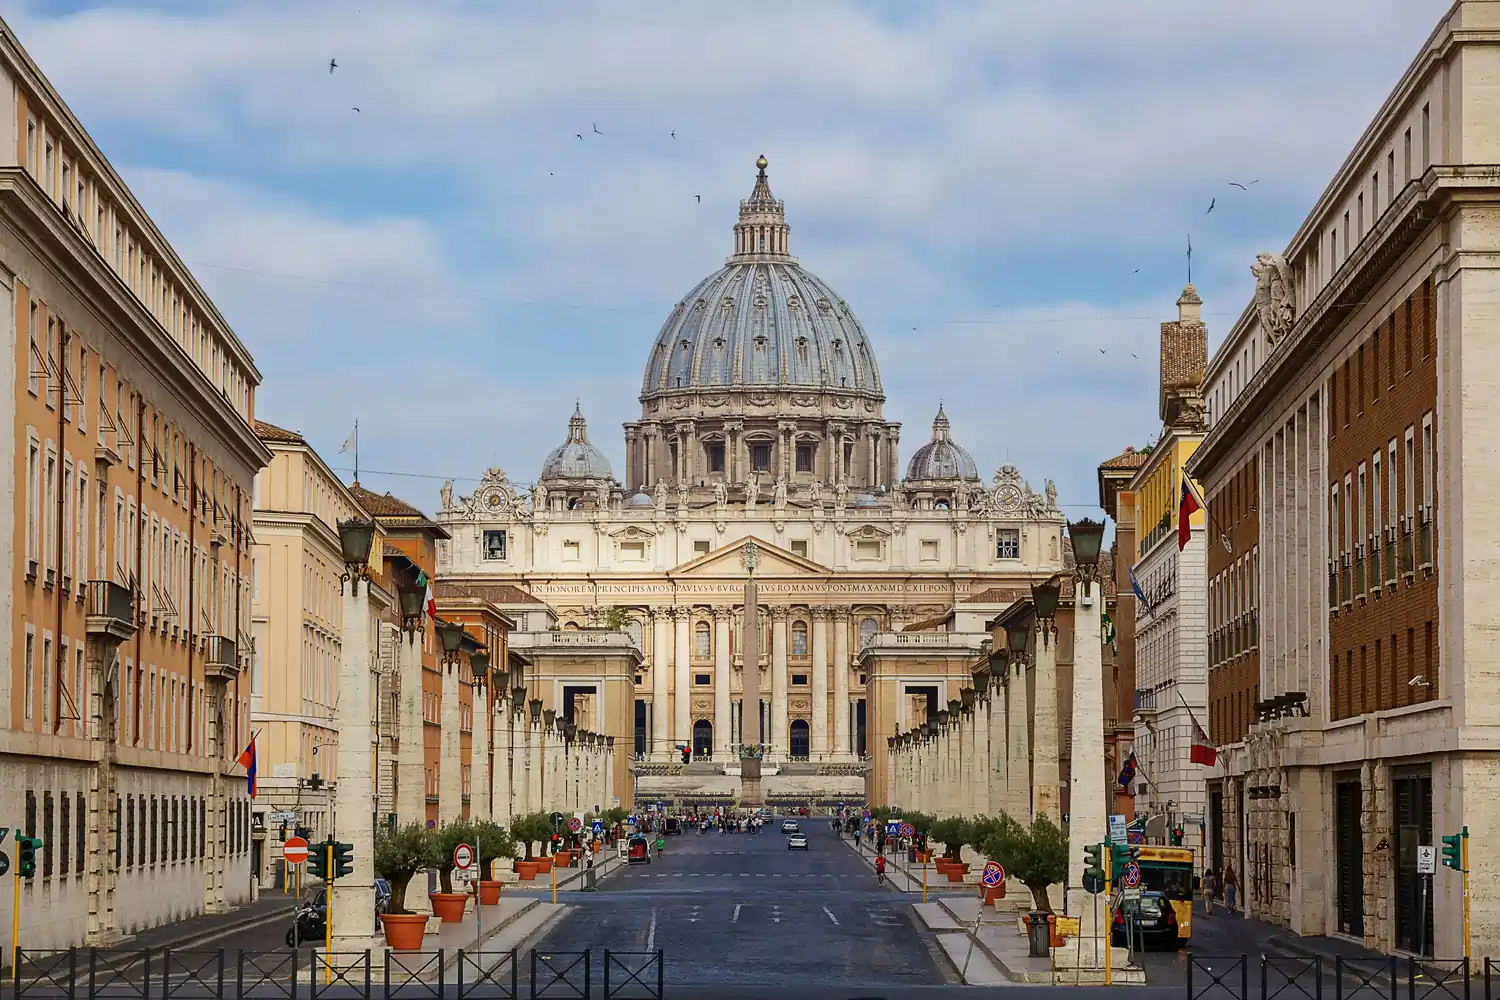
(789, 826)
(797, 842)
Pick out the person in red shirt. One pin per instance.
(880, 868)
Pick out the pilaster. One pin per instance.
(779, 680)
(819, 743)
(843, 734)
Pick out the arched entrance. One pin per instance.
(799, 739)
(703, 739)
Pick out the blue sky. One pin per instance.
(979, 180)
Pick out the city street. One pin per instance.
(741, 909)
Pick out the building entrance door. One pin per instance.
(799, 739)
(1349, 857)
(703, 739)
(1411, 794)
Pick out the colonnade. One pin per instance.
(545, 764)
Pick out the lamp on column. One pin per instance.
(1044, 601)
(356, 538)
(942, 718)
(535, 705)
(967, 696)
(412, 596)
(451, 635)
(1016, 638)
(479, 666)
(982, 685)
(1087, 538)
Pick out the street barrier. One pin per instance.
(634, 974)
(415, 974)
(341, 971)
(1391, 977)
(495, 973)
(192, 975)
(560, 974)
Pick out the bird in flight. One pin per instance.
(596, 130)
(580, 136)
(333, 64)
(1211, 203)
(699, 197)
(674, 133)
(357, 111)
(1244, 187)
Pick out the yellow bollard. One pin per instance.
(924, 881)
(15, 929)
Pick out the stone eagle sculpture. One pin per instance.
(1275, 297)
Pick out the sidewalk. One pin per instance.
(568, 879)
(905, 877)
(205, 928)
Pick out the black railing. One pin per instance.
(492, 973)
(1234, 977)
(107, 599)
(634, 974)
(560, 974)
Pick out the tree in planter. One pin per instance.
(949, 833)
(880, 813)
(493, 844)
(530, 829)
(1037, 855)
(401, 854)
(449, 836)
(981, 829)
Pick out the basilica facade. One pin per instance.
(762, 418)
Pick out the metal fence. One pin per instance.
(1243, 977)
(105, 974)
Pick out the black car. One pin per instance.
(1149, 920)
(672, 826)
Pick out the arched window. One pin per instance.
(867, 629)
(702, 645)
(799, 638)
(703, 739)
(798, 736)
(940, 505)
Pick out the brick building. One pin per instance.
(1350, 408)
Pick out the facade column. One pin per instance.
(997, 777)
(722, 709)
(450, 752)
(1045, 771)
(979, 759)
(502, 799)
(550, 800)
(661, 646)
(953, 793)
(843, 735)
(353, 898)
(411, 762)
(682, 686)
(481, 795)
(213, 837)
(1087, 810)
(819, 743)
(535, 756)
(608, 793)
(104, 667)
(1018, 746)
(779, 681)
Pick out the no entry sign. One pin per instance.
(907, 829)
(294, 850)
(993, 874)
(463, 856)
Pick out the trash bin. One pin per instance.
(1039, 934)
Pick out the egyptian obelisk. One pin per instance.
(750, 736)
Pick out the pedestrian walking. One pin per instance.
(1231, 888)
(1210, 890)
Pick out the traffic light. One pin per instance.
(26, 848)
(1177, 835)
(343, 860)
(1453, 850)
(1120, 855)
(1093, 861)
(556, 842)
(317, 861)
(687, 755)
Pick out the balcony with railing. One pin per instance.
(110, 611)
(896, 641)
(1407, 566)
(1346, 582)
(220, 657)
(1390, 557)
(1424, 542)
(1359, 571)
(1375, 578)
(1333, 585)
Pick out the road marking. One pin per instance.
(736, 918)
(825, 910)
(651, 934)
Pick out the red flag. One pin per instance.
(1203, 752)
(247, 761)
(1186, 508)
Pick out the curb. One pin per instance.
(191, 941)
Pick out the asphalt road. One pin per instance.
(743, 910)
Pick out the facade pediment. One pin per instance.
(629, 531)
(730, 560)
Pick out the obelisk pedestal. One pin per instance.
(751, 795)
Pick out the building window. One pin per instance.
(703, 680)
(494, 545)
(760, 458)
(633, 551)
(702, 642)
(716, 457)
(799, 680)
(799, 638)
(701, 547)
(1008, 543)
(929, 550)
(867, 629)
(867, 550)
(799, 547)
(571, 551)
(28, 684)
(805, 453)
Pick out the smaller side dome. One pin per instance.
(941, 458)
(576, 458)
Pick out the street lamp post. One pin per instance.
(352, 898)
(1086, 807)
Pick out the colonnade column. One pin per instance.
(534, 756)
(661, 645)
(997, 779)
(682, 693)
(411, 761)
(779, 681)
(722, 707)
(843, 738)
(1018, 746)
(502, 800)
(1046, 774)
(819, 747)
(481, 799)
(979, 739)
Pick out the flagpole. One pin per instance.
(356, 449)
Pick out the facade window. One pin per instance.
(1008, 543)
(760, 457)
(702, 641)
(799, 680)
(28, 685)
(867, 629)
(716, 457)
(805, 453)
(571, 551)
(799, 547)
(799, 638)
(633, 551)
(866, 549)
(495, 545)
(703, 680)
(701, 547)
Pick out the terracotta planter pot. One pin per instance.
(543, 866)
(526, 870)
(489, 892)
(955, 873)
(403, 931)
(561, 858)
(991, 893)
(448, 906)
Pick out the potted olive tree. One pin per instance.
(492, 843)
(529, 830)
(399, 855)
(446, 903)
(1037, 856)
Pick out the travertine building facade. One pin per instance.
(1355, 395)
(761, 417)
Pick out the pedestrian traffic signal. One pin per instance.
(1453, 850)
(343, 860)
(1093, 861)
(26, 848)
(317, 862)
(1177, 835)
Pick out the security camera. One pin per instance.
(1418, 681)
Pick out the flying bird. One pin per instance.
(1211, 203)
(699, 197)
(580, 136)
(358, 111)
(333, 64)
(674, 133)
(596, 130)
(1136, 271)
(1243, 187)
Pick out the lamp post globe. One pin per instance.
(356, 538)
(1087, 539)
(479, 665)
(1016, 638)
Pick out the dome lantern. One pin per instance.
(762, 232)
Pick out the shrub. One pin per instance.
(1037, 856)
(399, 855)
(449, 836)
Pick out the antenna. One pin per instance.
(1190, 258)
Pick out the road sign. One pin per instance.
(907, 830)
(1117, 829)
(1069, 925)
(631, 820)
(463, 857)
(598, 826)
(1132, 875)
(1130, 894)
(575, 824)
(993, 874)
(1137, 837)
(1426, 859)
(465, 874)
(893, 828)
(294, 850)
(283, 817)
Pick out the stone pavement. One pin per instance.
(212, 928)
(904, 876)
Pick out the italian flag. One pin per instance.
(423, 580)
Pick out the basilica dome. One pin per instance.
(576, 458)
(762, 321)
(941, 458)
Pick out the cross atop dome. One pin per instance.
(762, 232)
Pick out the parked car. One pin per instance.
(790, 826)
(797, 842)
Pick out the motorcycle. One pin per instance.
(308, 925)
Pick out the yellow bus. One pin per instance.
(1165, 911)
